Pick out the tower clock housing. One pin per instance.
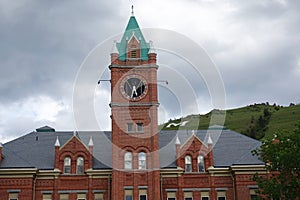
(134, 105)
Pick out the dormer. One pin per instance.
(194, 155)
(74, 157)
(133, 48)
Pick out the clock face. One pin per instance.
(134, 87)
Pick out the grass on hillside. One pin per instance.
(242, 119)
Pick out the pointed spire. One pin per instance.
(177, 140)
(152, 49)
(193, 132)
(209, 140)
(132, 13)
(57, 144)
(91, 143)
(114, 49)
(1, 145)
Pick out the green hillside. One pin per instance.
(257, 121)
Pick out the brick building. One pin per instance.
(134, 161)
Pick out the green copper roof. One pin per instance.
(133, 29)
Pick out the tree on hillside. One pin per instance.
(282, 157)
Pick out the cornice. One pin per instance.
(143, 66)
(115, 104)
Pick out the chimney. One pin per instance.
(210, 151)
(56, 158)
(152, 54)
(177, 144)
(91, 149)
(114, 55)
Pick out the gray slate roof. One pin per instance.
(36, 149)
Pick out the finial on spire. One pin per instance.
(57, 144)
(132, 13)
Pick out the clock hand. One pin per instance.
(128, 85)
(133, 91)
(139, 84)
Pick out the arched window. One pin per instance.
(200, 163)
(80, 165)
(188, 163)
(128, 160)
(142, 160)
(67, 165)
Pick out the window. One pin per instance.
(171, 196)
(130, 127)
(142, 160)
(143, 194)
(47, 196)
(200, 163)
(98, 196)
(128, 160)
(67, 165)
(80, 165)
(188, 196)
(81, 197)
(204, 195)
(188, 163)
(128, 194)
(253, 194)
(140, 127)
(13, 196)
(64, 197)
(133, 53)
(221, 195)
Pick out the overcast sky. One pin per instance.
(255, 46)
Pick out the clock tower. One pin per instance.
(134, 104)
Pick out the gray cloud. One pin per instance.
(255, 44)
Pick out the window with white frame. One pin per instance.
(171, 196)
(188, 163)
(128, 195)
(47, 196)
(13, 196)
(98, 196)
(129, 127)
(143, 194)
(80, 165)
(204, 195)
(200, 163)
(128, 160)
(81, 196)
(67, 165)
(142, 160)
(221, 195)
(64, 197)
(253, 194)
(140, 127)
(188, 195)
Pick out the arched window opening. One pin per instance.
(188, 164)
(67, 165)
(200, 163)
(128, 160)
(142, 160)
(80, 165)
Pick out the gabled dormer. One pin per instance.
(74, 157)
(194, 155)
